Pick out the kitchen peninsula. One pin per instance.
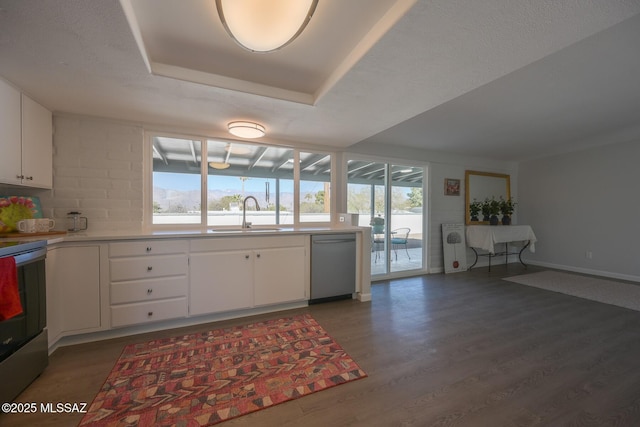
(103, 285)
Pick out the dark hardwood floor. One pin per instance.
(465, 349)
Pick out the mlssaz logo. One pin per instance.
(65, 408)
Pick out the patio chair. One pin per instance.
(377, 232)
(400, 236)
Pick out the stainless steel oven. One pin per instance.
(23, 338)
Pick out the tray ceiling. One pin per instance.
(190, 43)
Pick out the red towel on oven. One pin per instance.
(9, 295)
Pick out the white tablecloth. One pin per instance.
(486, 236)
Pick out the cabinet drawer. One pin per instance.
(147, 267)
(148, 289)
(148, 247)
(144, 312)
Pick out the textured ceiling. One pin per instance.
(498, 78)
(584, 95)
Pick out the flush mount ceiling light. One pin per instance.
(246, 129)
(265, 26)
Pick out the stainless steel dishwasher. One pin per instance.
(333, 267)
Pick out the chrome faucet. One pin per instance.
(246, 224)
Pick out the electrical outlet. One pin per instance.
(341, 219)
(588, 255)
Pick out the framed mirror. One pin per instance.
(484, 185)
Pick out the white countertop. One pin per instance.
(177, 234)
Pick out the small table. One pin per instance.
(487, 236)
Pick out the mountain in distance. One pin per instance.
(170, 200)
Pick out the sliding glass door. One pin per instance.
(389, 199)
(406, 203)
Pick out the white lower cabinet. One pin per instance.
(140, 268)
(143, 312)
(279, 275)
(231, 274)
(101, 285)
(73, 290)
(221, 281)
(148, 281)
(148, 290)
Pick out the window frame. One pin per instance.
(148, 171)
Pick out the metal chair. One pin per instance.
(377, 234)
(400, 236)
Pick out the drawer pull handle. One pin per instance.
(258, 255)
(246, 257)
(149, 268)
(150, 313)
(148, 248)
(149, 291)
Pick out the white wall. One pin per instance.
(97, 168)
(581, 202)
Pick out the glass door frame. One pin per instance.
(389, 162)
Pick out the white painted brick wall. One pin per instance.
(97, 170)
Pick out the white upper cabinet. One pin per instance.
(10, 134)
(26, 140)
(37, 145)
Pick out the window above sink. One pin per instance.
(188, 173)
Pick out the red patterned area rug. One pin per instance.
(203, 379)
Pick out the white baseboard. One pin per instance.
(609, 274)
(364, 297)
(170, 324)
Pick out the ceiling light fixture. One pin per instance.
(219, 165)
(265, 26)
(246, 129)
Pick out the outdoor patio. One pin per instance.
(409, 259)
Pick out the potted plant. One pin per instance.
(506, 209)
(494, 210)
(486, 209)
(474, 209)
(376, 221)
(377, 225)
